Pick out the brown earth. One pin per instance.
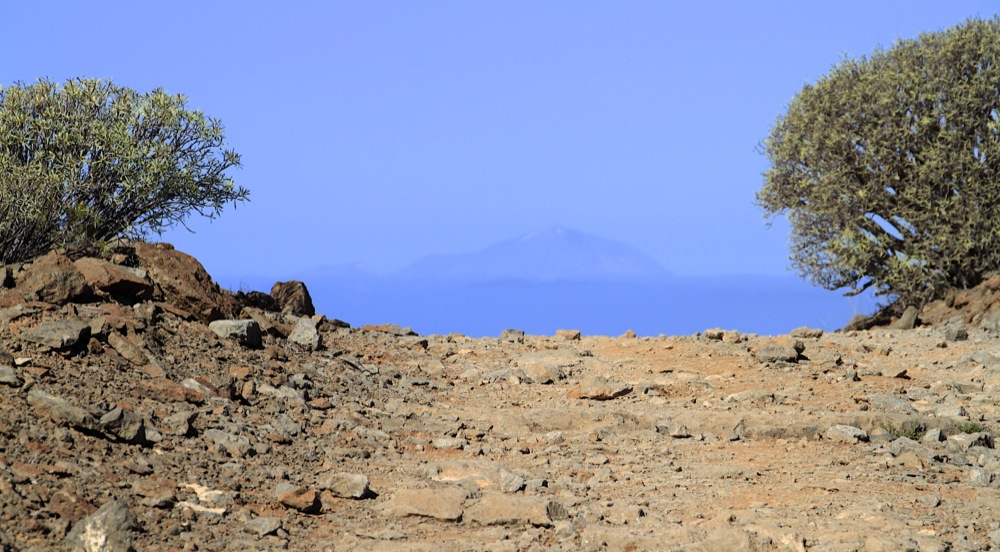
(131, 415)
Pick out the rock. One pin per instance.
(846, 434)
(779, 350)
(129, 346)
(59, 335)
(237, 446)
(714, 334)
(391, 329)
(536, 372)
(122, 284)
(568, 335)
(908, 320)
(805, 332)
(156, 492)
(110, 528)
(629, 334)
(889, 403)
(674, 429)
(347, 485)
(444, 504)
(10, 314)
(60, 411)
(450, 443)
(52, 278)
(978, 477)
(477, 475)
(124, 424)
(9, 377)
(244, 332)
(506, 509)
(182, 281)
(263, 526)
(599, 388)
(956, 334)
(512, 336)
(932, 436)
(163, 389)
(306, 334)
(299, 498)
(964, 441)
(293, 298)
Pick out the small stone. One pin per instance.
(956, 334)
(450, 443)
(512, 336)
(537, 372)
(779, 350)
(846, 434)
(299, 498)
(933, 436)
(237, 446)
(599, 388)
(806, 332)
(978, 477)
(347, 485)
(320, 403)
(714, 334)
(674, 429)
(124, 424)
(263, 526)
(9, 377)
(244, 332)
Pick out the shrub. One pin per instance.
(89, 161)
(888, 167)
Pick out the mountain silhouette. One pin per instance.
(550, 255)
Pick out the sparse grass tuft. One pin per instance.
(909, 429)
(969, 427)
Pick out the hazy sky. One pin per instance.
(379, 132)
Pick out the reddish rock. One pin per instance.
(121, 284)
(301, 499)
(164, 389)
(184, 283)
(292, 297)
(52, 278)
(599, 388)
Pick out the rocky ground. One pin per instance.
(141, 407)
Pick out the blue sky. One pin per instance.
(380, 132)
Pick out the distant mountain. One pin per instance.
(553, 254)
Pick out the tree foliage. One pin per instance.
(88, 161)
(888, 167)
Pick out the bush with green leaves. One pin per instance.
(87, 161)
(888, 168)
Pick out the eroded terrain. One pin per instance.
(130, 419)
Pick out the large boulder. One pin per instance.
(292, 297)
(122, 284)
(52, 278)
(183, 282)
